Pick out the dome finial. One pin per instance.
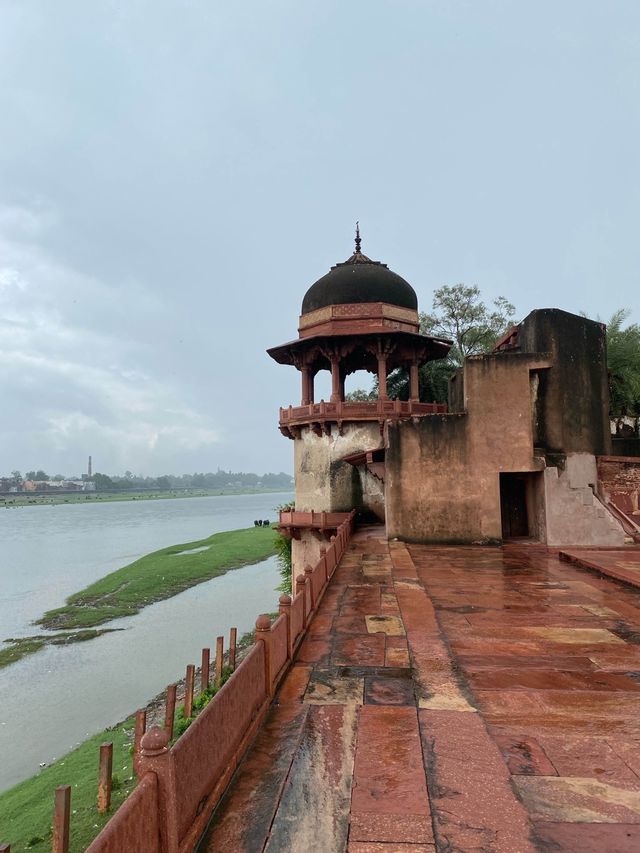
(358, 240)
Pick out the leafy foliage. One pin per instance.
(283, 555)
(623, 363)
(460, 315)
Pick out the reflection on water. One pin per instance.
(57, 697)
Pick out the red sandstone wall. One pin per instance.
(619, 480)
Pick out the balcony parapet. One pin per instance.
(292, 522)
(321, 416)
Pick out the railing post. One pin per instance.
(285, 607)
(170, 710)
(301, 582)
(141, 725)
(204, 670)
(188, 690)
(61, 816)
(323, 560)
(308, 571)
(263, 635)
(219, 660)
(157, 758)
(233, 639)
(104, 777)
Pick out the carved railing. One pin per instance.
(181, 785)
(317, 520)
(322, 413)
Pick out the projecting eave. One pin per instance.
(312, 349)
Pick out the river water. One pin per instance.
(57, 697)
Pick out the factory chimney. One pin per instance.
(89, 472)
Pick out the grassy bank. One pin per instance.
(26, 810)
(24, 499)
(161, 575)
(22, 646)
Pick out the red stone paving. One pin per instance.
(622, 564)
(491, 704)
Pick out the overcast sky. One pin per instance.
(174, 175)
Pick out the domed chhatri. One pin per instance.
(358, 280)
(359, 316)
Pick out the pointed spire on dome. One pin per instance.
(358, 257)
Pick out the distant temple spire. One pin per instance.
(358, 240)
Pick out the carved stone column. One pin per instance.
(382, 376)
(414, 383)
(335, 379)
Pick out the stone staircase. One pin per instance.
(575, 515)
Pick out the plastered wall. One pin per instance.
(442, 471)
(325, 482)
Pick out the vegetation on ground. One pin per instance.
(160, 575)
(283, 555)
(19, 647)
(26, 810)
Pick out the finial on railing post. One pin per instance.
(263, 635)
(301, 587)
(156, 757)
(285, 608)
(308, 571)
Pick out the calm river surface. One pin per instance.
(57, 697)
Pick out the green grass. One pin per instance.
(26, 810)
(21, 646)
(160, 575)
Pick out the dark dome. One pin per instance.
(359, 280)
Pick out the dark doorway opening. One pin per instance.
(513, 506)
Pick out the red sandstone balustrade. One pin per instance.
(279, 646)
(319, 520)
(207, 754)
(180, 787)
(364, 410)
(135, 825)
(297, 624)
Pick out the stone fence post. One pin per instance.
(156, 757)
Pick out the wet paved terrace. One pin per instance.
(450, 699)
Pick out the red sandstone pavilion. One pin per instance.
(458, 668)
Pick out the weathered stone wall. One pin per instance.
(324, 481)
(619, 480)
(573, 415)
(443, 471)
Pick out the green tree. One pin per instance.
(30, 475)
(360, 395)
(102, 481)
(460, 315)
(41, 475)
(623, 364)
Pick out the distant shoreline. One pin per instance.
(16, 500)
